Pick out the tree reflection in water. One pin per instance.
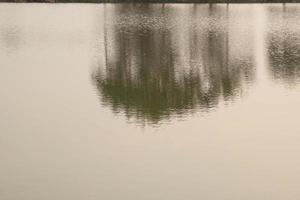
(170, 61)
(284, 45)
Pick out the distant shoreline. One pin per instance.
(155, 1)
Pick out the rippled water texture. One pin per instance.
(149, 101)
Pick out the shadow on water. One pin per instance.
(163, 62)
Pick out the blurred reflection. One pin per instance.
(163, 61)
(11, 33)
(284, 44)
(10, 38)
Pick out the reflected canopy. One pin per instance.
(284, 45)
(171, 66)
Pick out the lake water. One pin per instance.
(149, 102)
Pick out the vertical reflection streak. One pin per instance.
(105, 34)
(260, 50)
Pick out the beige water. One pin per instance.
(149, 102)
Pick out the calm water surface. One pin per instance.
(149, 102)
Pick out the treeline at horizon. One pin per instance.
(153, 1)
